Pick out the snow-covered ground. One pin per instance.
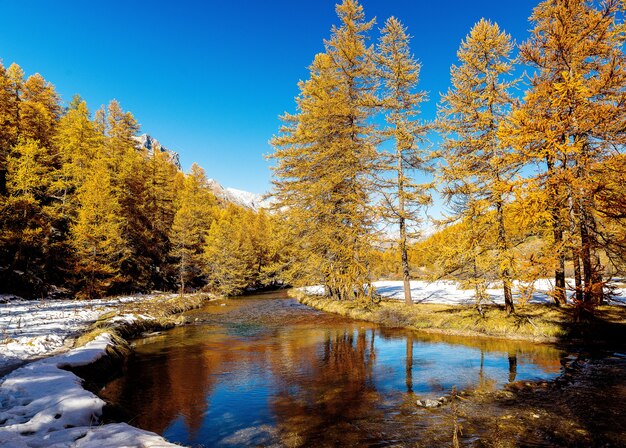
(34, 328)
(449, 292)
(44, 405)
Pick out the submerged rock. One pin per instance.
(428, 403)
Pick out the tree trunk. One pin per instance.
(592, 275)
(574, 214)
(577, 276)
(505, 274)
(512, 366)
(406, 272)
(557, 231)
(477, 292)
(560, 297)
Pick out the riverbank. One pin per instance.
(45, 403)
(533, 322)
(581, 408)
(32, 329)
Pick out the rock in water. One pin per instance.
(428, 403)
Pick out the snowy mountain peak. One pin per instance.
(242, 198)
(247, 199)
(151, 144)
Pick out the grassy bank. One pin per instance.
(155, 313)
(539, 323)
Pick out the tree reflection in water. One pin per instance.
(275, 372)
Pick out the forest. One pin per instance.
(526, 152)
(84, 210)
(533, 182)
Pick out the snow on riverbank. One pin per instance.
(43, 405)
(449, 292)
(33, 328)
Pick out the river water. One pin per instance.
(264, 370)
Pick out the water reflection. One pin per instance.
(247, 377)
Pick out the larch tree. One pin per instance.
(130, 179)
(478, 167)
(14, 86)
(325, 157)
(193, 218)
(97, 234)
(25, 218)
(610, 185)
(571, 120)
(161, 190)
(273, 250)
(261, 232)
(30, 167)
(30, 110)
(402, 197)
(40, 110)
(121, 128)
(77, 143)
(229, 255)
(5, 131)
(11, 81)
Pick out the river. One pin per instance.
(264, 370)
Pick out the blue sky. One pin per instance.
(209, 79)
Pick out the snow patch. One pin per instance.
(44, 405)
(253, 201)
(449, 292)
(30, 329)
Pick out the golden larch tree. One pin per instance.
(191, 222)
(325, 157)
(97, 234)
(571, 120)
(478, 167)
(402, 197)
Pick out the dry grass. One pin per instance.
(540, 323)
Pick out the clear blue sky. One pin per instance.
(210, 78)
